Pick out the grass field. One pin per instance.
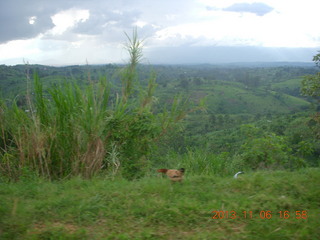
(153, 208)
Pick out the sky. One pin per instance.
(69, 32)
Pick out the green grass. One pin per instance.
(236, 98)
(288, 84)
(153, 208)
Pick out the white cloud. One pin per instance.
(19, 48)
(67, 19)
(94, 30)
(283, 27)
(140, 23)
(32, 20)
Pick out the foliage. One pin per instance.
(69, 130)
(230, 89)
(316, 59)
(270, 151)
(311, 87)
(311, 83)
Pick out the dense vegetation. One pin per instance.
(245, 107)
(115, 123)
(70, 130)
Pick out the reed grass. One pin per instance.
(70, 130)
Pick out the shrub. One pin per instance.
(270, 151)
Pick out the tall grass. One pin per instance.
(199, 161)
(71, 131)
(63, 136)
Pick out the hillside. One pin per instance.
(236, 98)
(229, 90)
(265, 96)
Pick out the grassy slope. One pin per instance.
(235, 98)
(288, 84)
(152, 208)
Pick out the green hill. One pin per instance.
(228, 90)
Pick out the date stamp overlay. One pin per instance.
(263, 214)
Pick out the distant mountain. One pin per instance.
(217, 54)
(269, 64)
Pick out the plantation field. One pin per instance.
(258, 205)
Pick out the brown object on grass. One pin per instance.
(173, 174)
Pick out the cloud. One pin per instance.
(69, 20)
(93, 29)
(16, 23)
(20, 20)
(24, 20)
(257, 8)
(105, 21)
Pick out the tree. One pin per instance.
(311, 83)
(311, 87)
(316, 59)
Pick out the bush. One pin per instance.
(270, 151)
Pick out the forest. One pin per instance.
(88, 139)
